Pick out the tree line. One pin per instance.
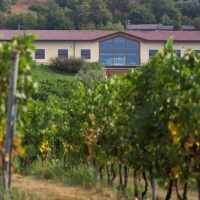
(101, 14)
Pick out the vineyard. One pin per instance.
(146, 123)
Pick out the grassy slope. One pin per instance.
(45, 72)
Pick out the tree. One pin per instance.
(4, 6)
(39, 9)
(188, 8)
(142, 15)
(62, 3)
(41, 22)
(197, 23)
(111, 26)
(124, 6)
(82, 15)
(2, 20)
(146, 2)
(56, 19)
(186, 20)
(71, 4)
(177, 21)
(28, 20)
(159, 7)
(99, 12)
(166, 20)
(119, 9)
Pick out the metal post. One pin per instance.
(18, 27)
(154, 189)
(11, 114)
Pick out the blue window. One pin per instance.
(132, 45)
(106, 58)
(119, 43)
(107, 45)
(197, 51)
(40, 54)
(119, 51)
(85, 53)
(119, 58)
(63, 53)
(133, 58)
(178, 53)
(152, 52)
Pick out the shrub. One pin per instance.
(92, 75)
(94, 65)
(69, 65)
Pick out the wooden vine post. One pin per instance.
(10, 123)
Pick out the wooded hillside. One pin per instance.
(97, 14)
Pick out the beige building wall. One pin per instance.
(94, 49)
(51, 49)
(145, 47)
(74, 49)
(183, 46)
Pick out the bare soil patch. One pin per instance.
(23, 5)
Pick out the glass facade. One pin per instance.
(119, 51)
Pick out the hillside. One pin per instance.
(23, 5)
(97, 14)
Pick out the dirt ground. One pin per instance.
(42, 190)
(34, 189)
(23, 5)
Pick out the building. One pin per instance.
(118, 51)
(155, 27)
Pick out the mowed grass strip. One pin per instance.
(44, 72)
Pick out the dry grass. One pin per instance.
(23, 5)
(42, 190)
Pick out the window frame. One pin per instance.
(197, 51)
(84, 55)
(41, 55)
(61, 55)
(152, 54)
(127, 50)
(178, 53)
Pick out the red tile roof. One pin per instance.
(58, 35)
(90, 35)
(187, 36)
(154, 27)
